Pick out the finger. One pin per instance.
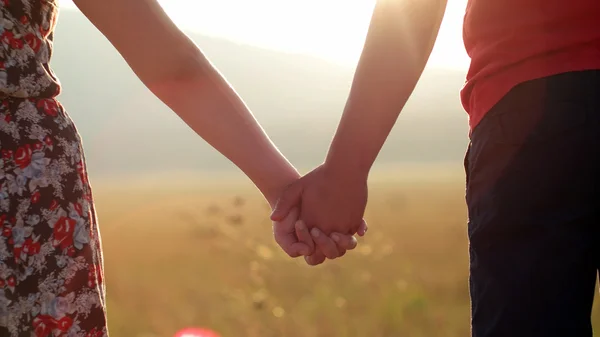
(289, 199)
(291, 246)
(285, 236)
(298, 249)
(363, 228)
(344, 242)
(316, 259)
(324, 243)
(304, 236)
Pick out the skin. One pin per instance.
(175, 70)
(398, 44)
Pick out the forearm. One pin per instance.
(211, 107)
(398, 45)
(176, 71)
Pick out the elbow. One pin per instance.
(184, 65)
(187, 68)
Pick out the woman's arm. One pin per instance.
(177, 72)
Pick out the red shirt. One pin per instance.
(514, 41)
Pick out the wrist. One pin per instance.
(346, 167)
(273, 185)
(349, 154)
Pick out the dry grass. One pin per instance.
(190, 256)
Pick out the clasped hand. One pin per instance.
(318, 215)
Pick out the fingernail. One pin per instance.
(335, 237)
(301, 226)
(315, 232)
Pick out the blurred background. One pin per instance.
(187, 238)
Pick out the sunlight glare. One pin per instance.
(331, 29)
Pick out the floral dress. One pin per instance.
(50, 252)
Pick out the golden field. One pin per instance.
(202, 254)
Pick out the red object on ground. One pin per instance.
(196, 332)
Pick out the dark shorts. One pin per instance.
(533, 195)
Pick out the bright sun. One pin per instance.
(333, 29)
(328, 28)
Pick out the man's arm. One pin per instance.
(399, 42)
(333, 196)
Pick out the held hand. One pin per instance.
(329, 247)
(294, 243)
(329, 201)
(331, 206)
(294, 238)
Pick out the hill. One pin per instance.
(297, 98)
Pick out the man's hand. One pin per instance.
(330, 204)
(294, 238)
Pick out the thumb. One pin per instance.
(290, 198)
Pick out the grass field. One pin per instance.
(193, 255)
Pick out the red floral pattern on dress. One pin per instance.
(51, 266)
(26, 35)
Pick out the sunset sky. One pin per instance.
(332, 29)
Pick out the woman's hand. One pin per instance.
(293, 243)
